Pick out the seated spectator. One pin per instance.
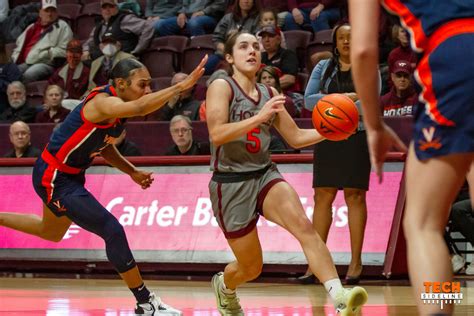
(4, 8)
(157, 11)
(102, 66)
(181, 104)
(269, 17)
(283, 59)
(319, 14)
(269, 76)
(20, 137)
(182, 133)
(133, 33)
(18, 109)
(53, 111)
(244, 17)
(197, 17)
(9, 72)
(41, 44)
(403, 51)
(402, 98)
(126, 147)
(74, 76)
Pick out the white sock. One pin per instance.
(333, 287)
(224, 287)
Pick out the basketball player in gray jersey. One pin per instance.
(245, 184)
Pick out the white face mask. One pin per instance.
(109, 50)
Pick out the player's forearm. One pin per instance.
(114, 158)
(154, 101)
(306, 137)
(228, 132)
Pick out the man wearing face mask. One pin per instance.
(101, 67)
(18, 110)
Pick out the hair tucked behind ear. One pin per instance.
(124, 69)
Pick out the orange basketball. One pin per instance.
(335, 117)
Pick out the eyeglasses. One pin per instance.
(402, 75)
(178, 131)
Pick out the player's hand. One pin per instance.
(298, 16)
(191, 80)
(142, 178)
(273, 106)
(380, 141)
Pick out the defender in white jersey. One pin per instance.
(245, 183)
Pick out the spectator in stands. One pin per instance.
(403, 51)
(401, 99)
(285, 60)
(74, 76)
(269, 17)
(4, 8)
(20, 137)
(319, 14)
(112, 53)
(9, 72)
(18, 109)
(244, 17)
(196, 17)
(42, 43)
(133, 33)
(270, 76)
(339, 165)
(157, 11)
(182, 104)
(53, 111)
(182, 133)
(126, 147)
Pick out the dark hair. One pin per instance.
(271, 10)
(334, 64)
(125, 68)
(272, 72)
(237, 12)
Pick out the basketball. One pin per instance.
(335, 117)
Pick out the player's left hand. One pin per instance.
(142, 178)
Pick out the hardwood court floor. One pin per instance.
(54, 297)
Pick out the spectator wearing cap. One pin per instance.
(112, 53)
(197, 17)
(42, 43)
(73, 77)
(132, 32)
(276, 56)
(402, 97)
(319, 14)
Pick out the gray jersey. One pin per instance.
(249, 152)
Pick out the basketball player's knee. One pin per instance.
(253, 271)
(114, 231)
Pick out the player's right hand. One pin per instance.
(193, 77)
(273, 106)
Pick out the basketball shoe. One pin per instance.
(227, 304)
(349, 301)
(155, 306)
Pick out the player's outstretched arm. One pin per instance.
(113, 107)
